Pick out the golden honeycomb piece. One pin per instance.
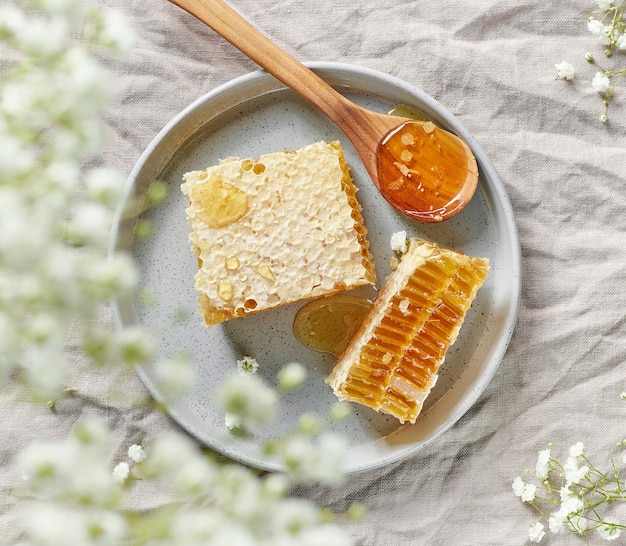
(392, 362)
(275, 230)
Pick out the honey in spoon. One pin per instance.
(328, 324)
(423, 171)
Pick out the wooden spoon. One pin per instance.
(422, 170)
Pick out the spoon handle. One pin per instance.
(235, 29)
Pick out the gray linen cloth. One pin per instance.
(491, 63)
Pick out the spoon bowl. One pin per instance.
(423, 171)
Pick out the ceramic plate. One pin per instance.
(253, 115)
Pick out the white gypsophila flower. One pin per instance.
(322, 462)
(518, 486)
(536, 532)
(116, 33)
(232, 422)
(105, 527)
(604, 4)
(595, 26)
(134, 346)
(573, 473)
(565, 71)
(526, 491)
(71, 10)
(565, 493)
(232, 533)
(556, 524)
(195, 476)
(10, 344)
(528, 495)
(121, 472)
(621, 42)
(275, 486)
(12, 19)
(23, 242)
(330, 467)
(309, 424)
(249, 399)
(291, 376)
(572, 505)
(90, 225)
(340, 411)
(600, 82)
(609, 529)
(52, 524)
(47, 467)
(294, 516)
(45, 332)
(104, 186)
(137, 453)
(599, 29)
(17, 157)
(398, 242)
(174, 376)
(88, 83)
(569, 507)
(93, 434)
(192, 526)
(60, 180)
(237, 492)
(58, 524)
(577, 450)
(247, 365)
(166, 453)
(70, 469)
(43, 36)
(543, 464)
(44, 372)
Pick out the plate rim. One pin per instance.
(493, 181)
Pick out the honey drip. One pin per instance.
(327, 325)
(219, 203)
(406, 111)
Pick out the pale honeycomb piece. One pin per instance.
(275, 230)
(393, 360)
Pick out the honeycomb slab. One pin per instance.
(275, 230)
(392, 362)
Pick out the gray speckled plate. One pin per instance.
(253, 115)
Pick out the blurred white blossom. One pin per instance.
(247, 398)
(291, 376)
(55, 268)
(120, 472)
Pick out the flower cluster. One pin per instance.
(55, 268)
(80, 500)
(608, 25)
(309, 454)
(570, 496)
